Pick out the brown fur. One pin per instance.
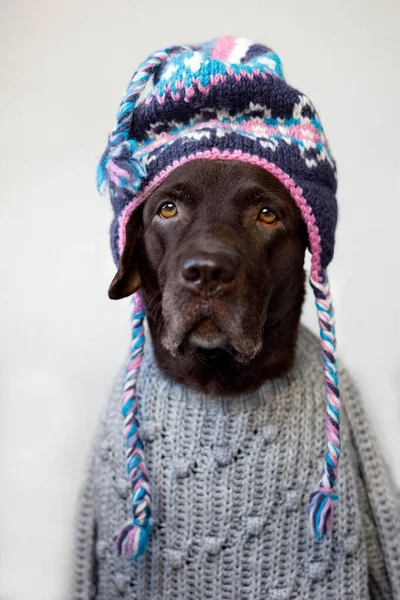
(216, 272)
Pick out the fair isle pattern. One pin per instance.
(225, 99)
(321, 508)
(190, 79)
(307, 133)
(133, 538)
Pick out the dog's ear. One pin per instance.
(127, 278)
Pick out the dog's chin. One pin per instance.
(206, 336)
(205, 343)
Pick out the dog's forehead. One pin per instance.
(209, 178)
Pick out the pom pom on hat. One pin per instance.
(118, 167)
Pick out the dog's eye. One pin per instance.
(267, 216)
(168, 210)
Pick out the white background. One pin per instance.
(64, 68)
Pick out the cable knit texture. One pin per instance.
(229, 499)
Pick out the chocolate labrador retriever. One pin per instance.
(218, 250)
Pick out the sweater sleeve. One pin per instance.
(84, 561)
(379, 499)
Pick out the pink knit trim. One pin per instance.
(295, 191)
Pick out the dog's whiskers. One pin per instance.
(152, 299)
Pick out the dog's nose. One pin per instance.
(209, 273)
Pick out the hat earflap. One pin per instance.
(321, 504)
(133, 537)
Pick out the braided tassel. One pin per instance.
(120, 166)
(132, 539)
(321, 504)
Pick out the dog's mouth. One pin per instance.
(207, 327)
(207, 335)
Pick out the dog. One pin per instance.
(218, 250)
(220, 176)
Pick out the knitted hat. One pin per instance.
(226, 99)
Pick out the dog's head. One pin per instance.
(218, 250)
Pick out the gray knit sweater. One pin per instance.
(230, 482)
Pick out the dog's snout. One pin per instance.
(209, 273)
